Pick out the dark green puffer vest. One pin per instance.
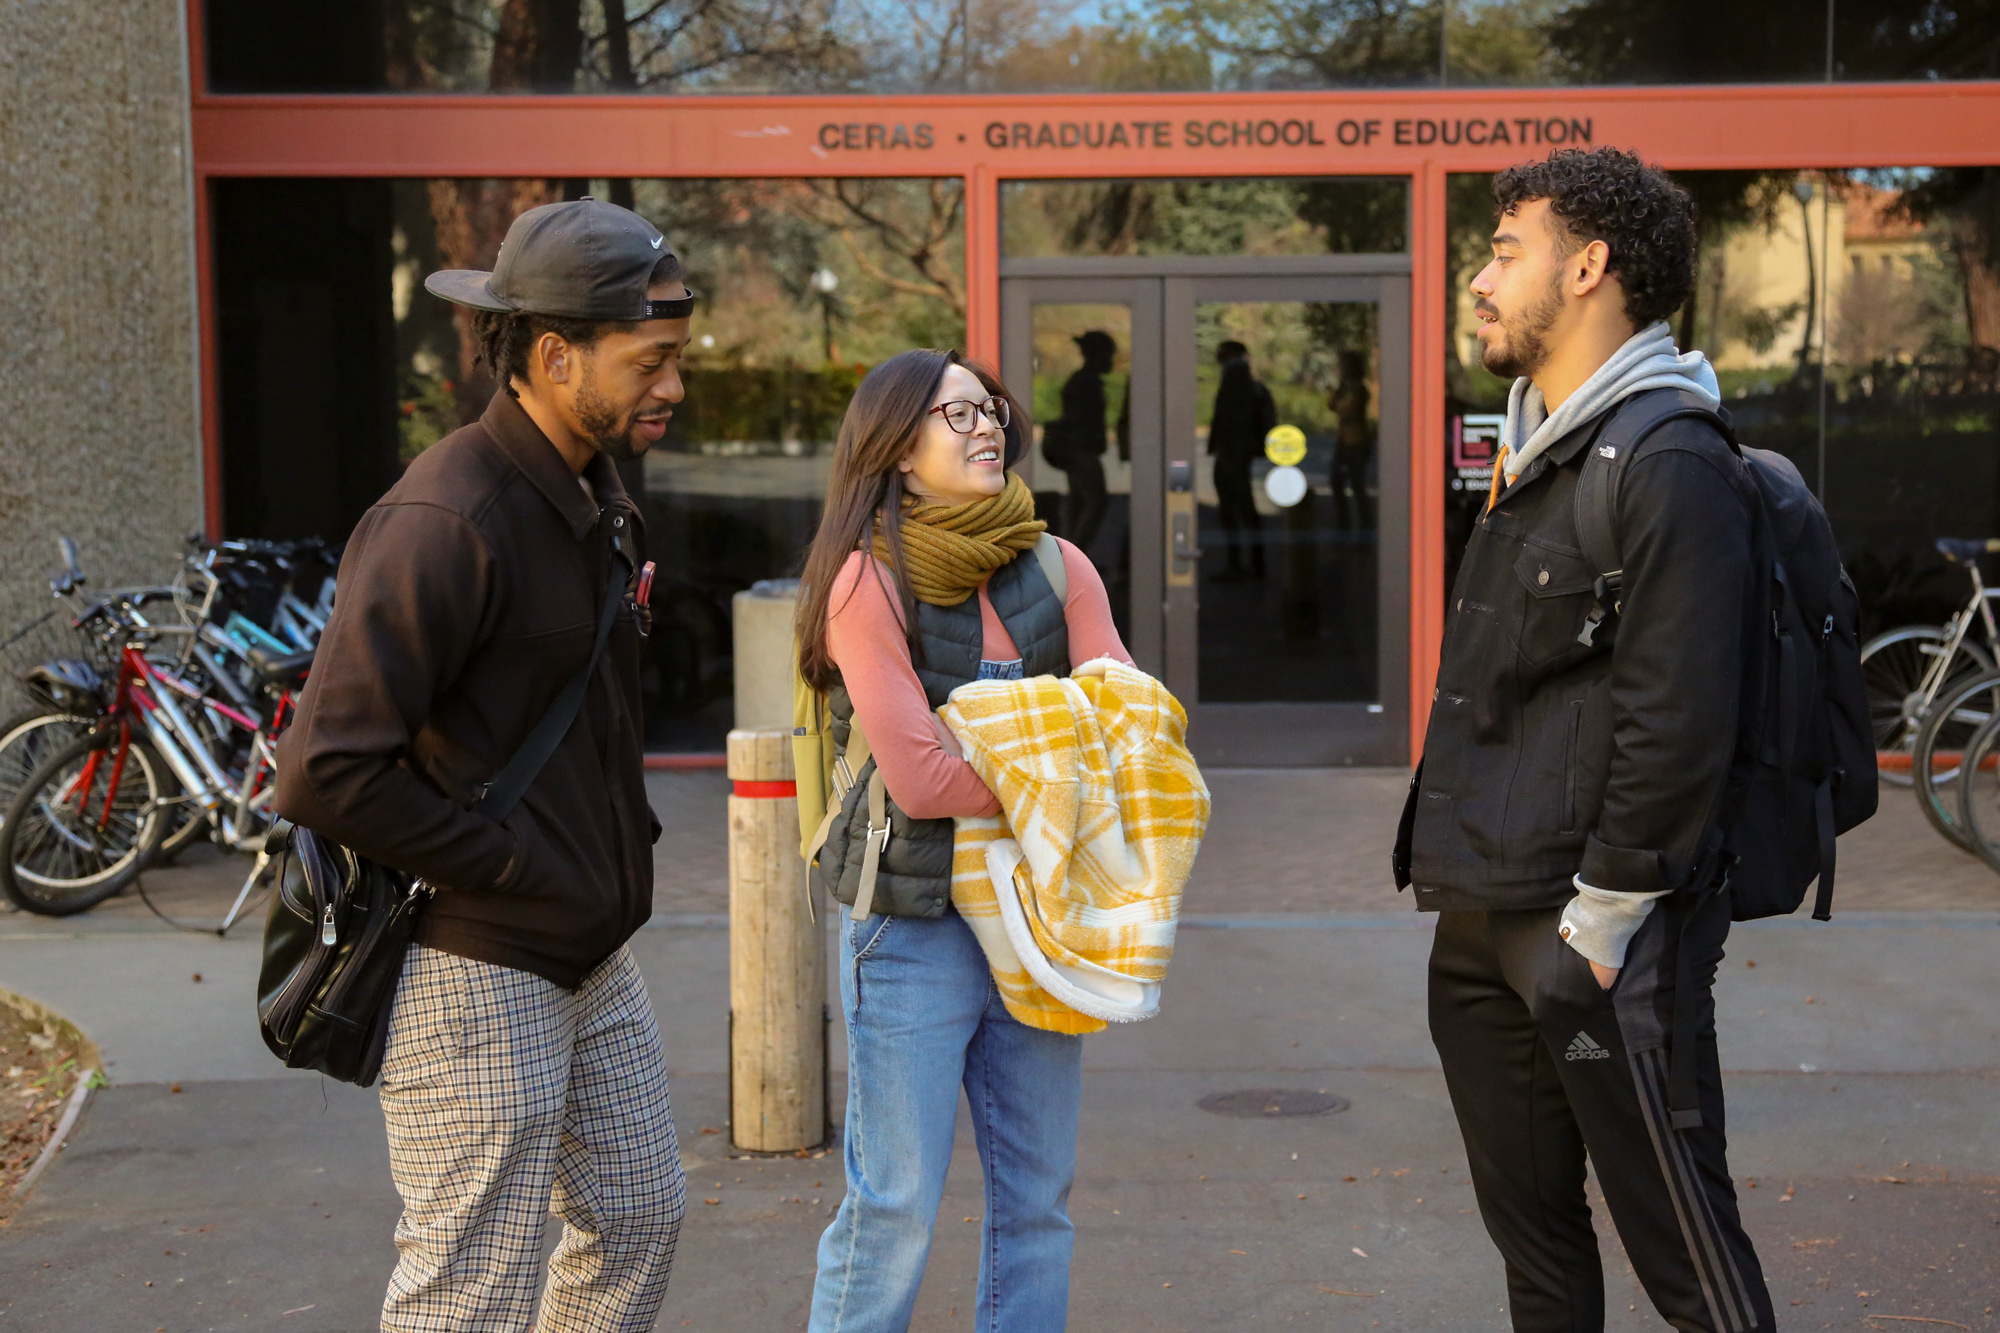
(914, 875)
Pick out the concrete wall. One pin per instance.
(99, 424)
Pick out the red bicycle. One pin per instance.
(87, 820)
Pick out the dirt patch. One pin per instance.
(41, 1057)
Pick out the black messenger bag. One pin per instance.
(341, 923)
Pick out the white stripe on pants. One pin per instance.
(506, 1098)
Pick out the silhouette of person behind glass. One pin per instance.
(1242, 416)
(1353, 444)
(1074, 441)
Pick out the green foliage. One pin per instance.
(763, 406)
(427, 412)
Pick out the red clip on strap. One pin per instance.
(765, 790)
(644, 595)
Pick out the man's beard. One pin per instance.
(1524, 351)
(608, 432)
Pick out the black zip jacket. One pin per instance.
(469, 597)
(1547, 757)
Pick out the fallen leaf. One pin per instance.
(300, 1309)
(1348, 1178)
(1812, 1244)
(1244, 1253)
(706, 1130)
(711, 1201)
(1891, 1180)
(1786, 1197)
(1358, 1250)
(197, 981)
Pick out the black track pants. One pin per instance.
(1544, 1065)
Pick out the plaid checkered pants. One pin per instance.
(508, 1098)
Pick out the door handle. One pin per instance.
(1183, 555)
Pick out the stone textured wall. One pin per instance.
(99, 416)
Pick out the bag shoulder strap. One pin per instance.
(846, 768)
(1603, 471)
(1049, 555)
(499, 797)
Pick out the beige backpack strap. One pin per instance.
(849, 763)
(878, 842)
(1048, 554)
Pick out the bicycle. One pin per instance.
(1937, 758)
(74, 836)
(1908, 667)
(1979, 792)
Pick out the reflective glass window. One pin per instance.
(1853, 318)
(338, 368)
(943, 46)
(1264, 216)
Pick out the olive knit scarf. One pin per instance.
(949, 550)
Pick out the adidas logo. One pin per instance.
(1583, 1048)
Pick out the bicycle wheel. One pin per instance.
(1979, 792)
(1935, 758)
(1894, 665)
(27, 738)
(83, 825)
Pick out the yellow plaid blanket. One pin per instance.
(1074, 891)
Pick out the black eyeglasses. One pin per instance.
(962, 414)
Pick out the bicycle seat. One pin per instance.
(1965, 550)
(286, 671)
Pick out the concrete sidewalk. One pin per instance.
(1862, 1058)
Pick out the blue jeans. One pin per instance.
(923, 1015)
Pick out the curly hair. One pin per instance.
(1603, 194)
(504, 337)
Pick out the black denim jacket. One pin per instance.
(1547, 756)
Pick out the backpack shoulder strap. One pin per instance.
(1048, 554)
(1603, 471)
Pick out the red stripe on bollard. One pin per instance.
(767, 790)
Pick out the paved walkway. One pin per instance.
(1863, 1059)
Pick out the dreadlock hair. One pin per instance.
(1643, 218)
(506, 336)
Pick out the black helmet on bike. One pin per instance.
(66, 685)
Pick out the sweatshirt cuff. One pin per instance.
(1599, 923)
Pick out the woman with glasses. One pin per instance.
(926, 574)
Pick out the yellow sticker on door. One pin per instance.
(1285, 446)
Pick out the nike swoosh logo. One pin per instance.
(657, 240)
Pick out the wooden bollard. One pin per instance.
(777, 958)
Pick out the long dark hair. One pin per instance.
(882, 425)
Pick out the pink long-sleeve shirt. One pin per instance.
(864, 636)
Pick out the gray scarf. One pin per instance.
(1646, 361)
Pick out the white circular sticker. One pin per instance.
(1285, 485)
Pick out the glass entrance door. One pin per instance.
(1232, 453)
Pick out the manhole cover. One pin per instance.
(1258, 1102)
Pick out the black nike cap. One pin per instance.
(584, 259)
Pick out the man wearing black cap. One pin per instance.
(523, 1072)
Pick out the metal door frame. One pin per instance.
(1019, 297)
(1162, 293)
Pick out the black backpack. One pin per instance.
(1805, 767)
